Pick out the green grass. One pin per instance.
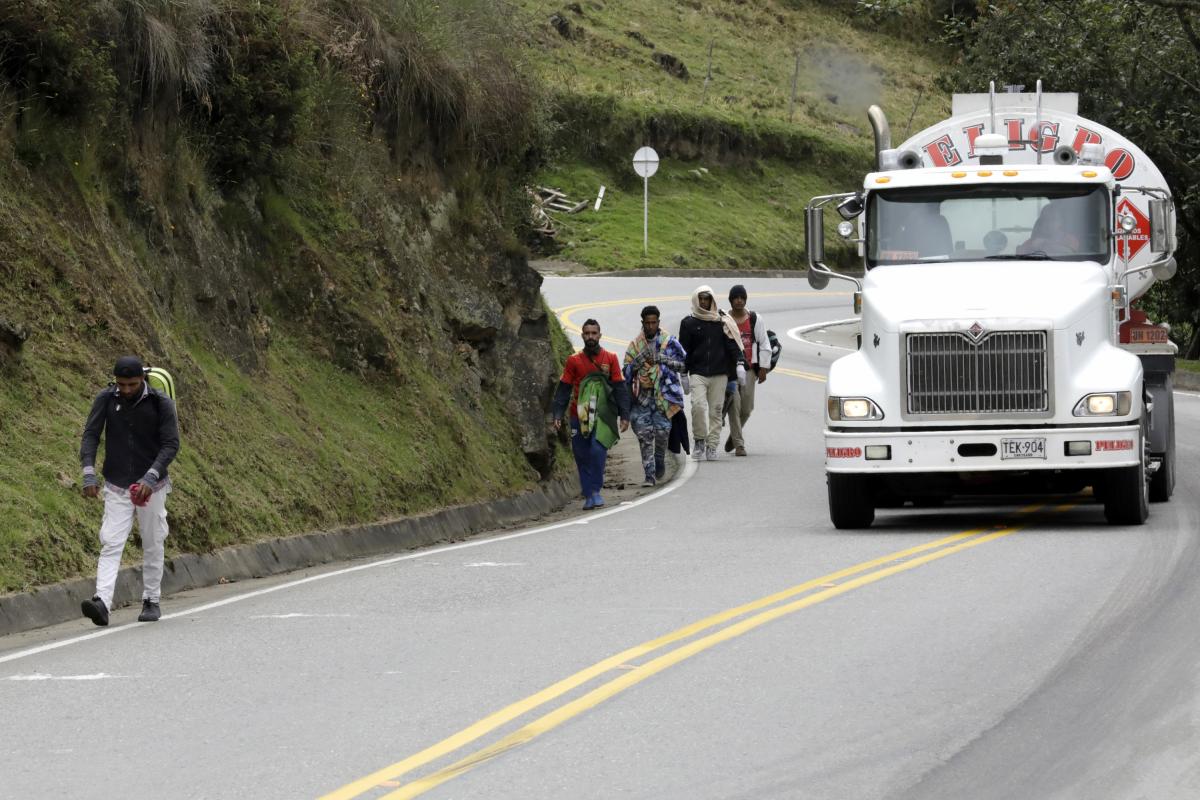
(701, 217)
(1188, 366)
(738, 163)
(843, 68)
(283, 429)
(299, 446)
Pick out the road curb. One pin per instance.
(1185, 379)
(803, 335)
(50, 605)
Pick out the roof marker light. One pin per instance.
(1089, 173)
(1010, 172)
(984, 173)
(882, 179)
(958, 174)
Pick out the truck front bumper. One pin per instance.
(981, 450)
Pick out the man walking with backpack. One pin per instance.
(756, 348)
(595, 388)
(141, 441)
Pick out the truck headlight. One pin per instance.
(853, 408)
(1104, 404)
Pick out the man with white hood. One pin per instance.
(714, 358)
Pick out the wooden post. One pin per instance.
(708, 75)
(795, 78)
(916, 103)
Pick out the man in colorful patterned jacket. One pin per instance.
(653, 362)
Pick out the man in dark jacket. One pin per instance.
(714, 358)
(142, 440)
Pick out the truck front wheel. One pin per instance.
(851, 501)
(1127, 492)
(1162, 485)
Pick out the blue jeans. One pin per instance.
(590, 457)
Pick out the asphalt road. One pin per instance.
(719, 639)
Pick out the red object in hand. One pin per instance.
(135, 492)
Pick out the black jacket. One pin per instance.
(141, 436)
(709, 351)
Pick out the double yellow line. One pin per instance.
(565, 317)
(741, 619)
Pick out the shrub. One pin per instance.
(261, 90)
(168, 50)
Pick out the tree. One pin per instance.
(1136, 67)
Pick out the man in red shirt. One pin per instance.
(757, 350)
(590, 454)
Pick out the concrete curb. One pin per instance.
(843, 341)
(59, 602)
(1185, 379)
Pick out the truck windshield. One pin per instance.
(980, 223)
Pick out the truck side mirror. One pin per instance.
(814, 244)
(1166, 270)
(1160, 226)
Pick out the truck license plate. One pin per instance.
(1033, 447)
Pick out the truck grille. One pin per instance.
(1004, 372)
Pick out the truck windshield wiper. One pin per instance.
(1036, 255)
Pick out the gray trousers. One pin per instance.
(739, 408)
(708, 401)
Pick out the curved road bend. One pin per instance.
(719, 640)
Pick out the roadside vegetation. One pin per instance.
(739, 157)
(305, 209)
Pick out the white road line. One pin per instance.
(303, 615)
(798, 331)
(689, 469)
(99, 676)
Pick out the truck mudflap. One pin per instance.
(1016, 450)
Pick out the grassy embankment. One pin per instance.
(738, 166)
(303, 209)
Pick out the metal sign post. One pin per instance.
(645, 163)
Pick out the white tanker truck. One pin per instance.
(999, 350)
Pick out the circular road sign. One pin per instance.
(645, 162)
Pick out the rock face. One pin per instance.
(672, 65)
(12, 337)
(402, 284)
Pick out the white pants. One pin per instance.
(708, 400)
(119, 512)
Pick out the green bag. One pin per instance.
(597, 409)
(160, 379)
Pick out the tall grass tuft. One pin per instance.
(450, 65)
(170, 47)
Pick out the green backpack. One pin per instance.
(160, 379)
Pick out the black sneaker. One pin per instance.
(150, 611)
(729, 445)
(95, 610)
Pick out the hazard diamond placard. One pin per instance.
(1141, 231)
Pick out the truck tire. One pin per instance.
(851, 501)
(1127, 491)
(1162, 485)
